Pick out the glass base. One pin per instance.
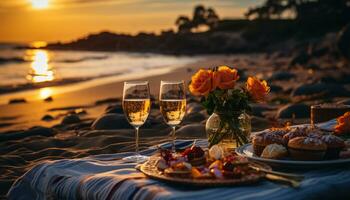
(136, 158)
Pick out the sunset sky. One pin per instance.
(64, 20)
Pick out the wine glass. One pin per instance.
(172, 102)
(136, 107)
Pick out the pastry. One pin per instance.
(306, 148)
(295, 132)
(234, 166)
(260, 141)
(334, 146)
(179, 170)
(274, 151)
(195, 155)
(279, 131)
(344, 154)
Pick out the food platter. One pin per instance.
(247, 151)
(150, 169)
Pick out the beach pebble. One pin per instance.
(301, 58)
(260, 123)
(70, 119)
(114, 109)
(276, 88)
(79, 111)
(299, 110)
(259, 109)
(110, 121)
(48, 99)
(336, 78)
(108, 100)
(17, 100)
(34, 131)
(155, 120)
(194, 117)
(47, 118)
(192, 130)
(281, 76)
(329, 90)
(194, 107)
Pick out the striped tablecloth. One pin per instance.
(108, 177)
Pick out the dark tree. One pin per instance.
(212, 18)
(270, 9)
(201, 16)
(317, 16)
(184, 24)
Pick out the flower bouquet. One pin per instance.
(342, 128)
(227, 103)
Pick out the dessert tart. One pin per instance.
(306, 148)
(260, 141)
(334, 146)
(295, 132)
(274, 151)
(195, 155)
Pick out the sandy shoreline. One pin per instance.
(85, 94)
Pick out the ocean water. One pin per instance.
(28, 66)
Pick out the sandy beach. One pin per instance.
(88, 94)
(89, 120)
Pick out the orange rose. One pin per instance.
(343, 125)
(225, 78)
(257, 89)
(202, 83)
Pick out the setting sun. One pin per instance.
(40, 4)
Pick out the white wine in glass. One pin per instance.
(136, 110)
(173, 110)
(172, 102)
(136, 107)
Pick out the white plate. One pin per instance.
(247, 151)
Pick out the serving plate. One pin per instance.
(247, 151)
(149, 168)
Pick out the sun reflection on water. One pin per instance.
(40, 69)
(45, 93)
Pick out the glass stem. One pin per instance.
(173, 149)
(137, 140)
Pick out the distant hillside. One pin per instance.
(268, 30)
(230, 36)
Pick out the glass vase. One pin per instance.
(228, 130)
